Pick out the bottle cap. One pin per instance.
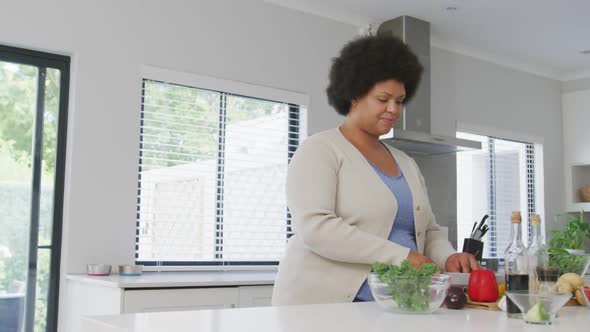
(536, 219)
(516, 219)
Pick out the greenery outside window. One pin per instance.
(33, 120)
(212, 172)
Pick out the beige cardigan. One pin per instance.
(342, 214)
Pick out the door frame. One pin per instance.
(45, 60)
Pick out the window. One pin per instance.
(212, 173)
(33, 121)
(504, 176)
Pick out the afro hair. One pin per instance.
(366, 61)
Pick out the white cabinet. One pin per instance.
(153, 300)
(255, 296)
(89, 300)
(576, 125)
(90, 296)
(82, 300)
(177, 299)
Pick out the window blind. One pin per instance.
(212, 172)
(496, 180)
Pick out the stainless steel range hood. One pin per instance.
(411, 133)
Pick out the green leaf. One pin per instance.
(576, 230)
(407, 284)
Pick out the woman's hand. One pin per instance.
(416, 259)
(461, 262)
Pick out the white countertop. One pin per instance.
(346, 317)
(181, 279)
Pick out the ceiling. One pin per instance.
(544, 37)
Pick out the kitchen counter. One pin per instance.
(163, 291)
(346, 317)
(180, 279)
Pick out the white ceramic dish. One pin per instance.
(130, 270)
(98, 270)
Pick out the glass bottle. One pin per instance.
(515, 260)
(538, 259)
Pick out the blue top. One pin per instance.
(403, 231)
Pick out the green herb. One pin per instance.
(573, 236)
(409, 286)
(565, 262)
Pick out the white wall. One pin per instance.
(576, 117)
(582, 84)
(241, 40)
(503, 100)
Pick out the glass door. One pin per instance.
(33, 113)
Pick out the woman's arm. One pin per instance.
(312, 184)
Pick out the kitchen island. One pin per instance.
(163, 291)
(345, 317)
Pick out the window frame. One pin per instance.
(45, 60)
(296, 119)
(531, 194)
(535, 198)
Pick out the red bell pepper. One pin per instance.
(482, 286)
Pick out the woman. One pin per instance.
(353, 200)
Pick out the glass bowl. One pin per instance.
(575, 263)
(538, 308)
(410, 295)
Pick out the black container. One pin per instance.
(474, 247)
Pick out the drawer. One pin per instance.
(175, 299)
(255, 296)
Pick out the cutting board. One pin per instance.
(571, 302)
(492, 306)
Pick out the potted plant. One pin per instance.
(573, 236)
(567, 247)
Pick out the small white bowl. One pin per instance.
(130, 270)
(98, 270)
